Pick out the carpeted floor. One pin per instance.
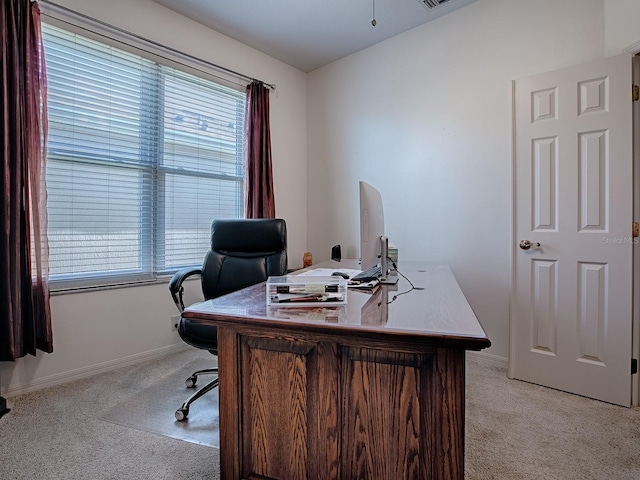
(56, 433)
(514, 430)
(520, 431)
(151, 409)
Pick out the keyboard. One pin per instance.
(368, 275)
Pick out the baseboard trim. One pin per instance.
(80, 373)
(489, 359)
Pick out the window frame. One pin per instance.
(151, 270)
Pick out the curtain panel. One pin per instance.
(25, 316)
(259, 195)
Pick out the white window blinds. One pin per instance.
(141, 159)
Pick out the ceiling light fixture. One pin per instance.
(373, 19)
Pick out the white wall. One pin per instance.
(621, 26)
(100, 330)
(424, 117)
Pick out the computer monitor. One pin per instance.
(373, 242)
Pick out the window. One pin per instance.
(141, 158)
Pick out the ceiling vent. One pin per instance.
(432, 3)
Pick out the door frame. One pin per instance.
(635, 348)
(635, 320)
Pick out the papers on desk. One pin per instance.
(305, 298)
(326, 272)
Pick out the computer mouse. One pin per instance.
(340, 274)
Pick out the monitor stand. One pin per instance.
(389, 280)
(385, 278)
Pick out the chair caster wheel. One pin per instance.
(191, 381)
(181, 414)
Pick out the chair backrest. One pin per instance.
(243, 252)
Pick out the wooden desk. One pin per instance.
(371, 390)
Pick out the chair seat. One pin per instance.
(198, 335)
(243, 252)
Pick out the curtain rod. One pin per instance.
(47, 3)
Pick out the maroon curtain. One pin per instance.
(25, 316)
(259, 197)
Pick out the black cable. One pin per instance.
(413, 287)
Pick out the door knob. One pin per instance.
(526, 244)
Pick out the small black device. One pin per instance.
(336, 253)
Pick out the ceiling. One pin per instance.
(308, 34)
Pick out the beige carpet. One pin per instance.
(56, 433)
(516, 430)
(152, 409)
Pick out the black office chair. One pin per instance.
(243, 252)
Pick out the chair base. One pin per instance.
(183, 412)
(3, 406)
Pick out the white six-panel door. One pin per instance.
(571, 307)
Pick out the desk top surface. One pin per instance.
(439, 314)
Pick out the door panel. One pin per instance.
(571, 313)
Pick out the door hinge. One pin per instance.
(634, 366)
(635, 230)
(635, 92)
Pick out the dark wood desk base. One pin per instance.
(305, 406)
(373, 390)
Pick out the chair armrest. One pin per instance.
(175, 284)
